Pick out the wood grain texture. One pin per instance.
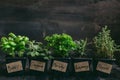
(38, 18)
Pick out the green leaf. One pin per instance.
(46, 58)
(6, 46)
(32, 54)
(42, 54)
(12, 35)
(36, 53)
(3, 39)
(12, 43)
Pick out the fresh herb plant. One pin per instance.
(37, 49)
(81, 48)
(104, 45)
(60, 44)
(14, 45)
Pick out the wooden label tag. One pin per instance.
(81, 66)
(104, 67)
(14, 66)
(37, 65)
(59, 66)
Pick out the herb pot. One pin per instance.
(2, 67)
(38, 66)
(103, 67)
(81, 66)
(60, 66)
(117, 57)
(15, 66)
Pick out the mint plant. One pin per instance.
(37, 49)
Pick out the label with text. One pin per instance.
(104, 67)
(81, 66)
(14, 66)
(59, 66)
(37, 65)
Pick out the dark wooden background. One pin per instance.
(38, 18)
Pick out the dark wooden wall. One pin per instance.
(79, 18)
(38, 18)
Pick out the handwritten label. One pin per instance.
(104, 67)
(37, 65)
(81, 66)
(59, 66)
(14, 66)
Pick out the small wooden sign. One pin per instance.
(59, 66)
(81, 66)
(104, 67)
(14, 66)
(37, 65)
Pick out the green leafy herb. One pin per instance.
(104, 45)
(60, 44)
(80, 49)
(37, 49)
(14, 45)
